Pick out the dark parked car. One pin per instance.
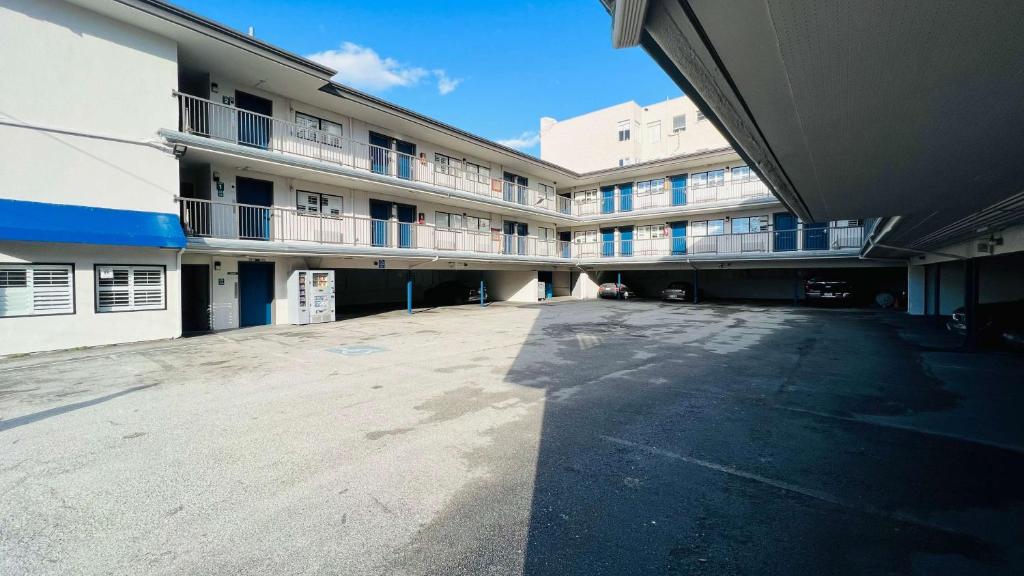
(997, 321)
(678, 292)
(829, 290)
(613, 290)
(454, 292)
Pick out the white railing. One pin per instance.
(204, 218)
(804, 240)
(735, 190)
(221, 122)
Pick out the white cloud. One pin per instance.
(446, 84)
(362, 67)
(524, 140)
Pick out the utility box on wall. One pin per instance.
(311, 296)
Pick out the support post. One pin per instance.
(938, 290)
(618, 286)
(796, 287)
(408, 292)
(483, 293)
(696, 286)
(971, 302)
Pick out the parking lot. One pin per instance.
(591, 437)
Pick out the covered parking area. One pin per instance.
(763, 281)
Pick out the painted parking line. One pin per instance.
(783, 485)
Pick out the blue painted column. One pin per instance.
(482, 293)
(618, 286)
(408, 292)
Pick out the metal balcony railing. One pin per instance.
(804, 240)
(734, 190)
(208, 219)
(221, 122)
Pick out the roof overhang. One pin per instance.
(849, 111)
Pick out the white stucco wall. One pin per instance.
(70, 69)
(585, 285)
(87, 327)
(512, 285)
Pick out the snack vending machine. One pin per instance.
(311, 296)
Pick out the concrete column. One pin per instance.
(917, 282)
(585, 286)
(696, 286)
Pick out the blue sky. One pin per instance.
(491, 67)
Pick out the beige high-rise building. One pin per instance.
(626, 134)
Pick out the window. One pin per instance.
(741, 173)
(623, 131)
(654, 132)
(624, 161)
(460, 221)
(36, 289)
(478, 173)
(648, 187)
(708, 227)
(446, 165)
(749, 224)
(544, 234)
(317, 203)
(129, 288)
(319, 130)
(650, 232)
(545, 191)
(700, 116)
(709, 178)
(585, 196)
(679, 123)
(585, 236)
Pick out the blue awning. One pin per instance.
(42, 222)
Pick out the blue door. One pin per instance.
(678, 237)
(607, 242)
(406, 221)
(254, 129)
(816, 236)
(516, 188)
(380, 214)
(256, 197)
(679, 190)
(255, 292)
(626, 241)
(406, 156)
(607, 199)
(784, 225)
(380, 153)
(625, 197)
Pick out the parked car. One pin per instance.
(829, 290)
(454, 292)
(678, 292)
(997, 321)
(613, 290)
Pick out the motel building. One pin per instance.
(190, 169)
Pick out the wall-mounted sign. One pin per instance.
(106, 273)
(380, 264)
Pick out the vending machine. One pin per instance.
(311, 296)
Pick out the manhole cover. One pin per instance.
(355, 350)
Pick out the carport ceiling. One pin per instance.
(860, 109)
